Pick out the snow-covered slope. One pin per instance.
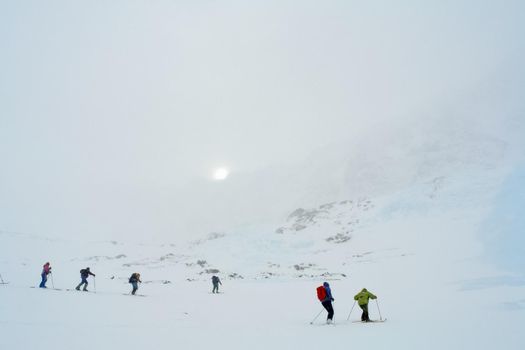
(418, 249)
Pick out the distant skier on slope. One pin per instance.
(324, 294)
(84, 274)
(134, 280)
(45, 271)
(362, 299)
(216, 281)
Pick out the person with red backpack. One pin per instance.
(324, 294)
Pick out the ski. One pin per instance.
(371, 321)
(324, 324)
(84, 291)
(136, 295)
(46, 288)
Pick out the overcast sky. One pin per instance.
(134, 96)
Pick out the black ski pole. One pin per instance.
(380, 317)
(52, 282)
(352, 309)
(316, 317)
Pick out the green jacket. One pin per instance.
(363, 296)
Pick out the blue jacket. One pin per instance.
(328, 292)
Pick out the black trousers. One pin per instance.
(328, 306)
(364, 316)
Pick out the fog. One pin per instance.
(114, 115)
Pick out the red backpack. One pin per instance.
(321, 293)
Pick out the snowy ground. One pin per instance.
(418, 250)
(254, 315)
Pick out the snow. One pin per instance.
(418, 249)
(368, 144)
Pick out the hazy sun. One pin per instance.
(220, 173)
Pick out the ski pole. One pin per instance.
(352, 309)
(52, 282)
(380, 317)
(95, 284)
(316, 316)
(1, 279)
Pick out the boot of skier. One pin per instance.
(327, 302)
(45, 271)
(362, 299)
(215, 281)
(84, 274)
(135, 280)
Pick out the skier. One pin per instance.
(216, 281)
(45, 271)
(84, 274)
(324, 293)
(134, 280)
(362, 299)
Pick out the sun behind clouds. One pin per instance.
(220, 174)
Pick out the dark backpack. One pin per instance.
(84, 272)
(133, 278)
(321, 293)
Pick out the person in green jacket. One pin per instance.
(362, 299)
